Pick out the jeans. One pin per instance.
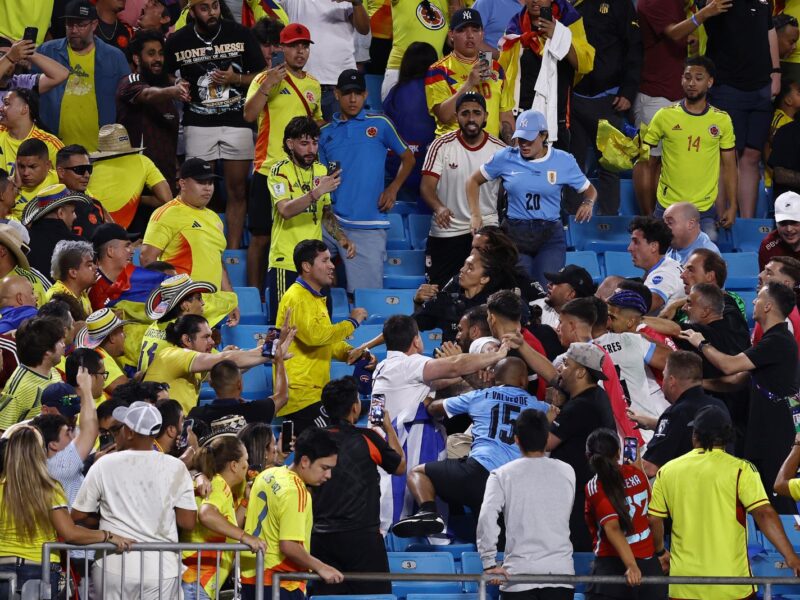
(329, 102)
(27, 572)
(542, 246)
(189, 592)
(708, 220)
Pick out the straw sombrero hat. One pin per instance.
(113, 140)
(12, 238)
(170, 293)
(49, 199)
(99, 325)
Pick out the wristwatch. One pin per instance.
(660, 553)
(700, 346)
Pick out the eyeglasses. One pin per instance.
(80, 169)
(112, 430)
(103, 373)
(77, 24)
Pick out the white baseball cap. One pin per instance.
(140, 417)
(787, 207)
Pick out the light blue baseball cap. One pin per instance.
(529, 125)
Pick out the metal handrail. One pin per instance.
(49, 547)
(12, 583)
(483, 579)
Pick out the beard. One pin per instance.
(160, 80)
(303, 160)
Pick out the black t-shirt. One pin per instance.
(233, 46)
(45, 234)
(738, 44)
(257, 411)
(786, 153)
(773, 380)
(351, 499)
(722, 336)
(673, 436)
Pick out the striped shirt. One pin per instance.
(22, 395)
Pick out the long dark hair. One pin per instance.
(602, 447)
(418, 57)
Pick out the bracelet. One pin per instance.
(660, 553)
(776, 70)
(694, 20)
(701, 345)
(106, 536)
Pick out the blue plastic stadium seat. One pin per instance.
(588, 260)
(583, 566)
(405, 207)
(340, 369)
(724, 240)
(628, 207)
(236, 265)
(364, 334)
(374, 83)
(748, 233)
(207, 394)
(620, 263)
(398, 544)
(771, 564)
(748, 297)
(244, 336)
(356, 596)
(404, 269)
(250, 306)
(793, 535)
(418, 228)
(471, 564)
(460, 596)
(381, 304)
(257, 383)
(422, 562)
(258, 380)
(600, 234)
(396, 238)
(341, 306)
(457, 550)
(742, 270)
(430, 340)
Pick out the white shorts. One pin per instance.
(213, 143)
(644, 109)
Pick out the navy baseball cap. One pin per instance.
(197, 169)
(62, 396)
(80, 9)
(351, 80)
(465, 16)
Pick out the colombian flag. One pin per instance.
(255, 10)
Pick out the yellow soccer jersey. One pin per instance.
(114, 370)
(709, 530)
(283, 104)
(11, 543)
(279, 508)
(690, 160)
(40, 283)
(779, 119)
(59, 288)
(9, 146)
(413, 21)
(154, 339)
(118, 183)
(25, 195)
(220, 498)
(191, 239)
(22, 395)
(446, 76)
(287, 181)
(172, 366)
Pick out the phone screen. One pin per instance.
(287, 433)
(377, 409)
(30, 34)
(546, 13)
(630, 449)
(278, 58)
(183, 441)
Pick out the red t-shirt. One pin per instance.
(663, 57)
(598, 511)
(772, 245)
(533, 342)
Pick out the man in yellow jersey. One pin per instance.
(705, 493)
(76, 109)
(697, 145)
(175, 297)
(13, 260)
(460, 72)
(104, 332)
(416, 21)
(318, 340)
(74, 272)
(34, 171)
(186, 358)
(18, 117)
(275, 97)
(120, 177)
(189, 236)
(279, 512)
(40, 346)
(300, 187)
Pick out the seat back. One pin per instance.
(235, 262)
(250, 306)
(381, 304)
(396, 238)
(742, 270)
(422, 562)
(418, 228)
(620, 263)
(600, 234)
(588, 260)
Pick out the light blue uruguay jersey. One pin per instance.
(534, 186)
(494, 412)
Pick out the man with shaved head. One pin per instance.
(494, 412)
(683, 219)
(17, 304)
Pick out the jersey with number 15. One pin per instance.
(690, 159)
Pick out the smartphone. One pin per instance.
(278, 58)
(106, 439)
(30, 34)
(333, 166)
(270, 347)
(183, 440)
(287, 433)
(485, 57)
(377, 411)
(546, 13)
(630, 449)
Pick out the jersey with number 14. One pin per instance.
(690, 159)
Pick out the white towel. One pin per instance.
(546, 98)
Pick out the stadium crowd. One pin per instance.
(197, 198)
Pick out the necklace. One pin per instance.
(305, 186)
(113, 32)
(202, 39)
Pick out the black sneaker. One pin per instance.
(421, 524)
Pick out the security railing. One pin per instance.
(11, 578)
(109, 549)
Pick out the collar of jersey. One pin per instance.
(302, 282)
(683, 108)
(534, 160)
(658, 264)
(361, 116)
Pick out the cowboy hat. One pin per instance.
(113, 140)
(171, 292)
(12, 238)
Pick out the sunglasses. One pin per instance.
(80, 169)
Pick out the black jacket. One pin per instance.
(45, 234)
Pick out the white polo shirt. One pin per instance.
(399, 378)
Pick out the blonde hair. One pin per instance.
(28, 487)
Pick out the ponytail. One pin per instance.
(602, 447)
(216, 454)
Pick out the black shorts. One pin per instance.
(259, 206)
(459, 481)
(351, 552)
(612, 565)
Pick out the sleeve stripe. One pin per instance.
(611, 517)
(432, 150)
(657, 512)
(756, 504)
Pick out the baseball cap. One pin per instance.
(787, 207)
(140, 417)
(629, 299)
(471, 97)
(577, 277)
(108, 232)
(712, 420)
(295, 32)
(529, 125)
(351, 80)
(197, 169)
(588, 355)
(466, 16)
(80, 9)
(63, 397)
